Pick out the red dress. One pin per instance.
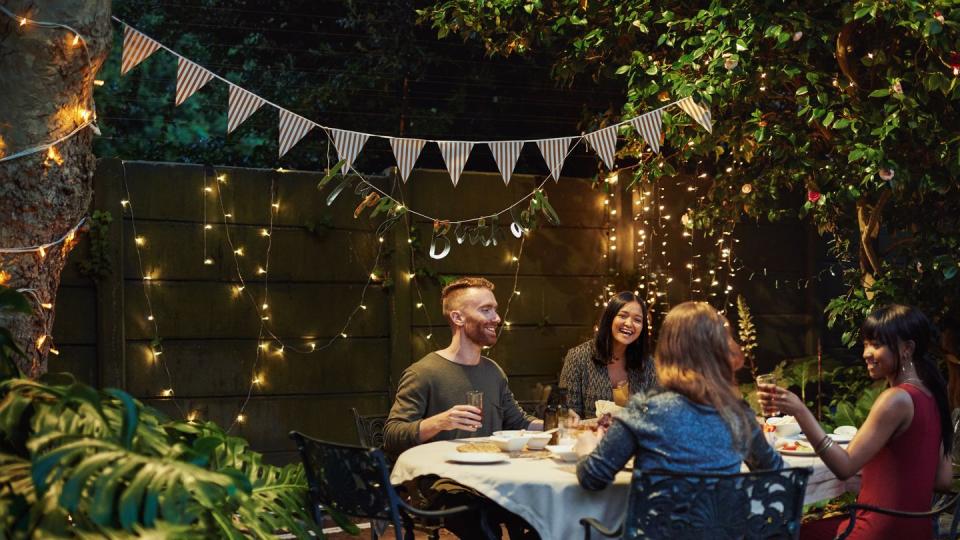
(899, 477)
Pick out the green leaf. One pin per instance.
(949, 272)
(741, 45)
(622, 69)
(131, 417)
(11, 300)
(881, 92)
(802, 91)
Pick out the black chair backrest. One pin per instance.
(369, 429)
(350, 479)
(686, 506)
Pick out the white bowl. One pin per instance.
(563, 452)
(787, 426)
(846, 432)
(539, 441)
(510, 444)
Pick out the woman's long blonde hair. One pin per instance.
(693, 358)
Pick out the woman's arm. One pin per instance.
(888, 416)
(598, 469)
(944, 481)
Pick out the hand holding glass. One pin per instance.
(475, 399)
(768, 383)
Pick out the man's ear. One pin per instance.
(456, 317)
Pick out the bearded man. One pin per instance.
(430, 401)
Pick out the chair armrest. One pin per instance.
(589, 523)
(435, 513)
(947, 504)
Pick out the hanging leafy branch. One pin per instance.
(842, 113)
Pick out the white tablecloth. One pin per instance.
(546, 493)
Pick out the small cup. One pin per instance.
(475, 399)
(768, 379)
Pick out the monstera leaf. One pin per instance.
(76, 461)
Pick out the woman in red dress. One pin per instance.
(903, 447)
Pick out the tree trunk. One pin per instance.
(45, 85)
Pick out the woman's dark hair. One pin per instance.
(637, 351)
(893, 324)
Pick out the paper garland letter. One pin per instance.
(406, 152)
(455, 154)
(190, 78)
(696, 111)
(292, 128)
(505, 153)
(604, 143)
(136, 48)
(555, 153)
(649, 126)
(348, 145)
(241, 104)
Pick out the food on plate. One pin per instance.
(605, 421)
(769, 428)
(795, 446)
(479, 447)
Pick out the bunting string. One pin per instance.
(191, 77)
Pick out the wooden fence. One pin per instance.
(320, 261)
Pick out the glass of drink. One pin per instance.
(475, 399)
(621, 393)
(768, 379)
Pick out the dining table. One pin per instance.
(544, 491)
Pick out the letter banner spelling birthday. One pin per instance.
(242, 104)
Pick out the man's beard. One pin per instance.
(478, 334)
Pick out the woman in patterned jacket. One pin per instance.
(617, 356)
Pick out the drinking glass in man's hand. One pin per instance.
(475, 399)
(768, 383)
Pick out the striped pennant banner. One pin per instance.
(406, 151)
(649, 126)
(241, 104)
(455, 154)
(506, 153)
(696, 111)
(292, 128)
(136, 48)
(190, 78)
(604, 143)
(348, 145)
(555, 153)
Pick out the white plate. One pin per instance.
(476, 457)
(803, 453)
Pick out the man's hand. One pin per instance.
(465, 417)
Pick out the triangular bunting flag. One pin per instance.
(604, 143)
(241, 104)
(649, 126)
(292, 128)
(348, 145)
(455, 154)
(136, 48)
(506, 153)
(696, 111)
(406, 151)
(190, 78)
(555, 153)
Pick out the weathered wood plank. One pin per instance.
(111, 331)
(175, 191)
(270, 418)
(80, 360)
(555, 300)
(198, 309)
(212, 368)
(548, 251)
(75, 322)
(431, 192)
(177, 251)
